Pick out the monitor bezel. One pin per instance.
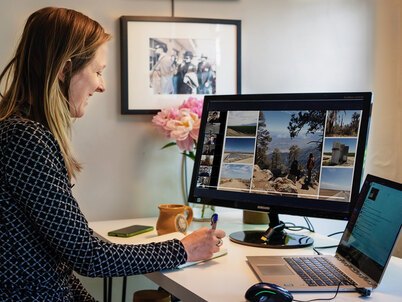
(277, 204)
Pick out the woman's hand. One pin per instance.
(202, 243)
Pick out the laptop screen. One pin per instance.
(374, 227)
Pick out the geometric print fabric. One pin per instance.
(44, 235)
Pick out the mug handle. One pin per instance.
(189, 211)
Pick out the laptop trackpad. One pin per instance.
(274, 270)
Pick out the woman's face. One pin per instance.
(86, 82)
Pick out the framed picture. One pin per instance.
(164, 60)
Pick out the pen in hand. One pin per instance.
(214, 221)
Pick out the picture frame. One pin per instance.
(204, 57)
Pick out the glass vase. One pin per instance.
(201, 212)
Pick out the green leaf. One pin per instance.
(169, 145)
(190, 154)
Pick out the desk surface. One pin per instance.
(227, 278)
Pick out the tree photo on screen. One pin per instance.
(289, 152)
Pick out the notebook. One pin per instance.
(222, 252)
(363, 252)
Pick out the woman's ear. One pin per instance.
(66, 69)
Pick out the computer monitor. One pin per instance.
(298, 154)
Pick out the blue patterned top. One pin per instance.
(43, 234)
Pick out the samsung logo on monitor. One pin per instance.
(263, 208)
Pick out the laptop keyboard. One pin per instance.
(318, 271)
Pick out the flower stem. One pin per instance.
(203, 211)
(184, 183)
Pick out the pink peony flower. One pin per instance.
(181, 124)
(194, 105)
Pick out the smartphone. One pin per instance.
(131, 230)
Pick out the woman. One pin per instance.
(44, 236)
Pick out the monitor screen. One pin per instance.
(298, 154)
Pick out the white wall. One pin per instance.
(287, 46)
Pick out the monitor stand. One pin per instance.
(274, 237)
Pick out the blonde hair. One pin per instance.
(32, 89)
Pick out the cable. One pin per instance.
(271, 231)
(336, 233)
(315, 249)
(278, 229)
(364, 292)
(309, 223)
(322, 299)
(323, 247)
(297, 227)
(172, 2)
(292, 227)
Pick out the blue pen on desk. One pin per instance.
(214, 221)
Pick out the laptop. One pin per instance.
(362, 254)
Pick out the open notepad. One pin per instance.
(178, 235)
(221, 252)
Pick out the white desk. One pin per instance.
(227, 278)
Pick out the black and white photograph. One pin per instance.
(182, 66)
(166, 59)
(210, 138)
(205, 171)
(208, 149)
(214, 117)
(207, 160)
(212, 128)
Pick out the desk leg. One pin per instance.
(109, 298)
(123, 297)
(105, 289)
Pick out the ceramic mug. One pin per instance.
(173, 218)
